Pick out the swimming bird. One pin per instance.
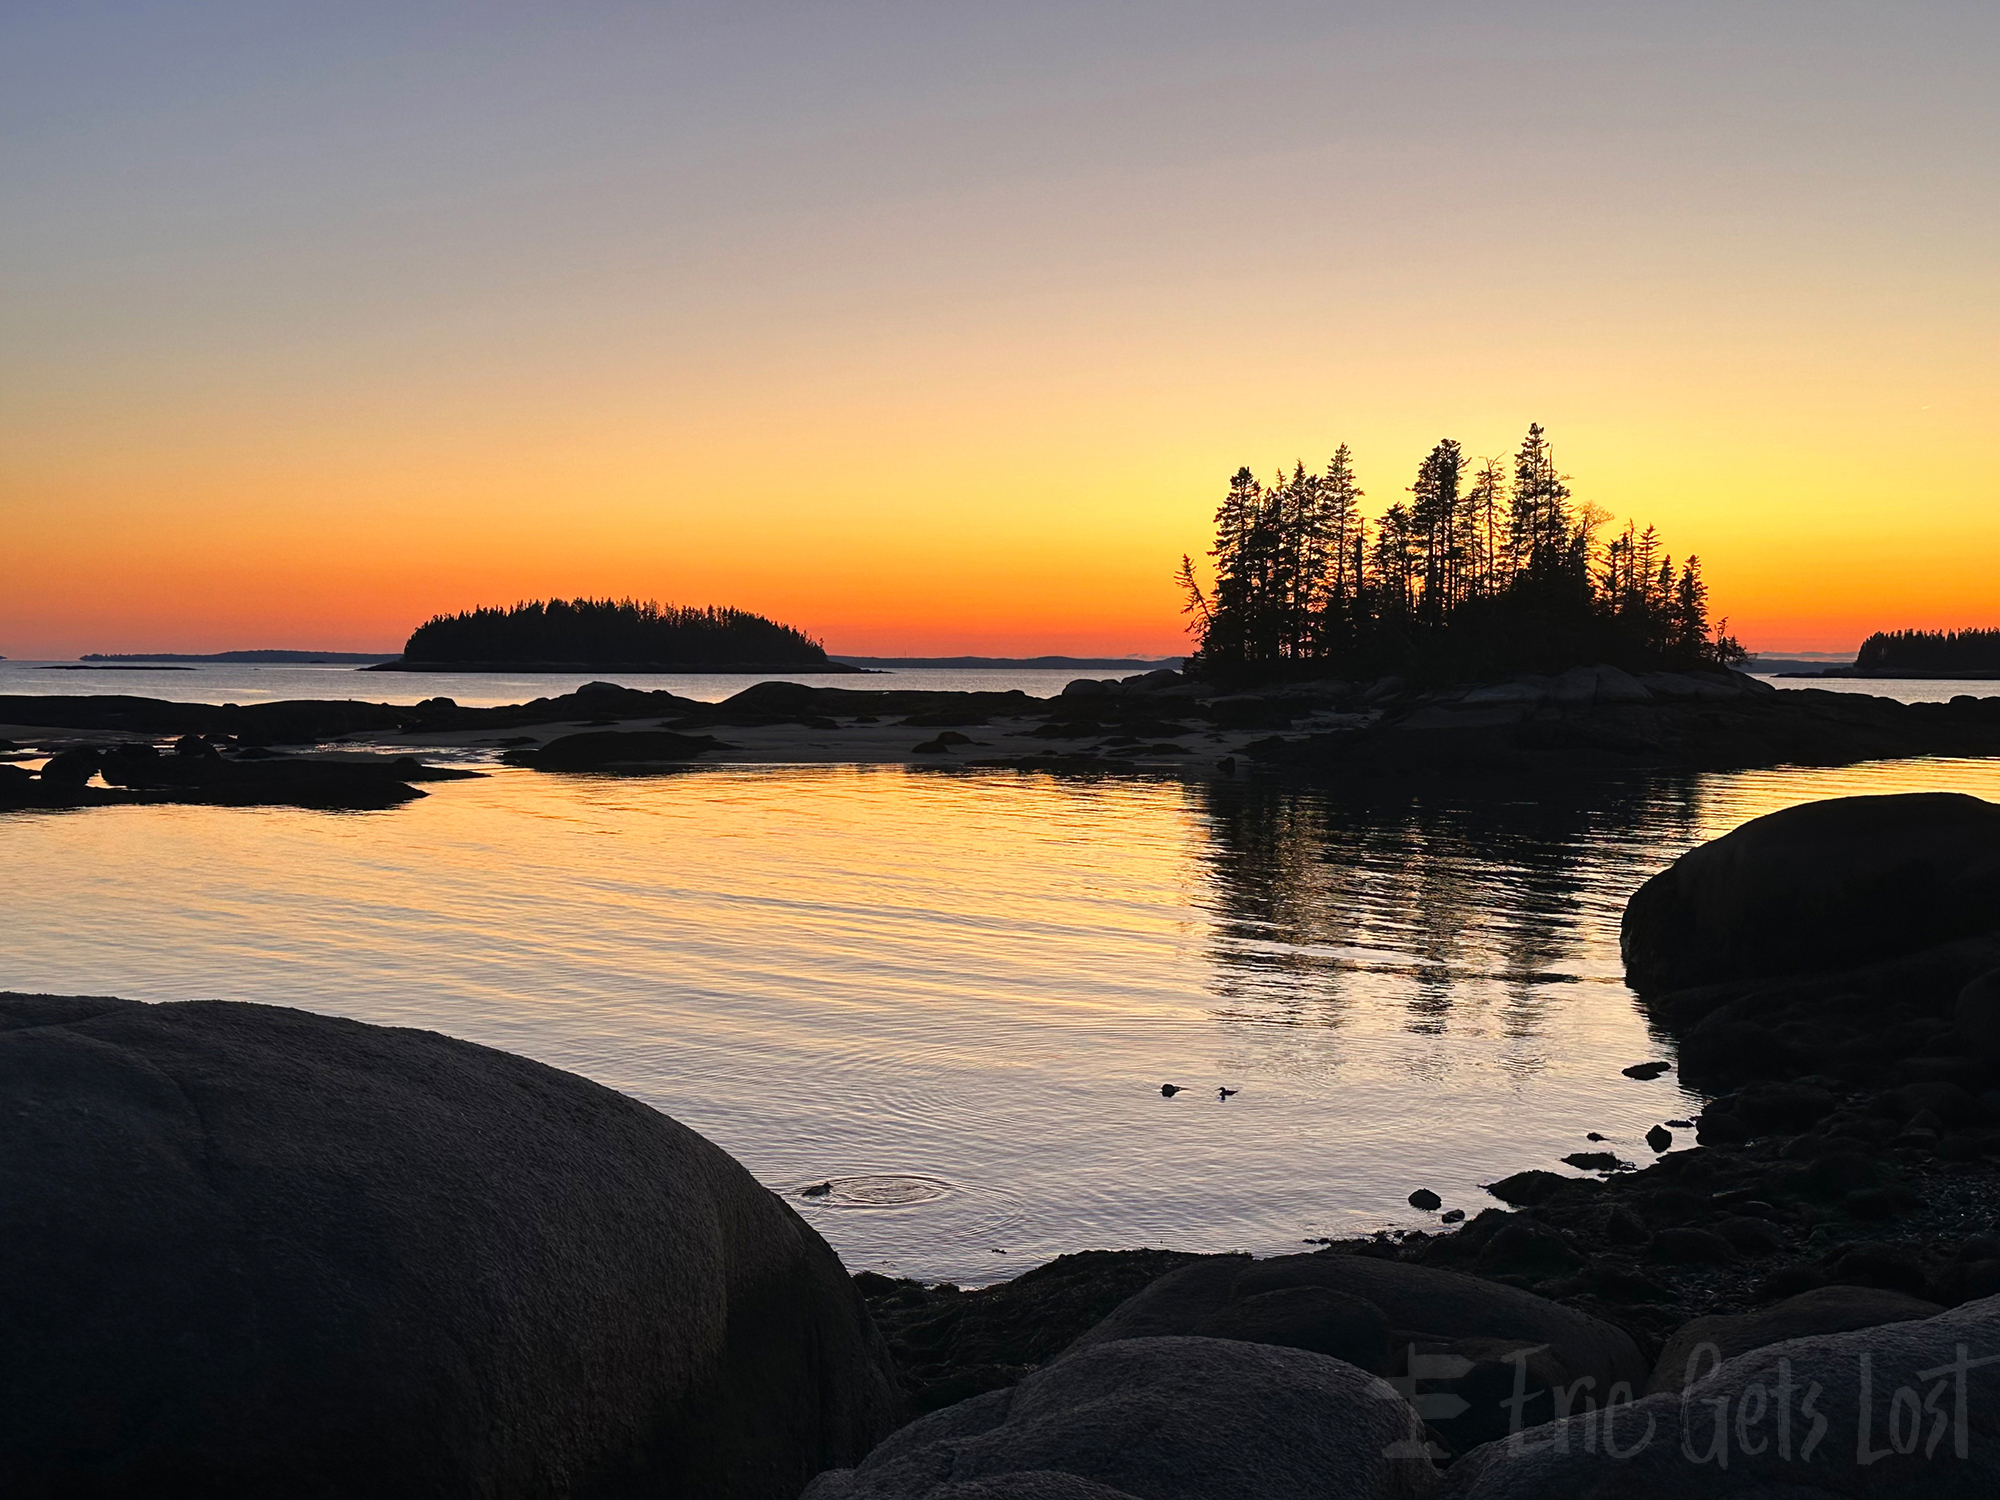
(1168, 1090)
(1221, 1094)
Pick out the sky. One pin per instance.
(939, 328)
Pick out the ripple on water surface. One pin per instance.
(953, 1000)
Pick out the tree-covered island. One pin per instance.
(625, 634)
(1928, 653)
(1490, 567)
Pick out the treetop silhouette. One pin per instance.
(1488, 568)
(606, 632)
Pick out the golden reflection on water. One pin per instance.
(977, 980)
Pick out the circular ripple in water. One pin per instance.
(886, 1190)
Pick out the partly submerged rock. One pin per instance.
(1820, 886)
(1159, 1419)
(254, 1251)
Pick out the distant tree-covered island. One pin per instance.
(1928, 653)
(607, 634)
(1491, 567)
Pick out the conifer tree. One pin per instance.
(1434, 526)
(1302, 578)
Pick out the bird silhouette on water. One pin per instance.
(1221, 1094)
(1168, 1090)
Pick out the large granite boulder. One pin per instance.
(1692, 1351)
(1824, 885)
(1476, 1356)
(1904, 1411)
(1159, 1419)
(254, 1251)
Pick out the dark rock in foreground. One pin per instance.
(1160, 1419)
(255, 1251)
(1698, 1346)
(1825, 885)
(1399, 1319)
(1907, 1411)
(949, 1344)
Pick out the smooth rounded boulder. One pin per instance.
(1824, 885)
(1694, 1347)
(1160, 1419)
(1479, 1357)
(1905, 1411)
(250, 1250)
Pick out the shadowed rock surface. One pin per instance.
(254, 1251)
(949, 1343)
(1865, 1438)
(1163, 1419)
(1825, 885)
(1379, 1314)
(1828, 1309)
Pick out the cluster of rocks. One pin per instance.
(1603, 719)
(1588, 719)
(218, 773)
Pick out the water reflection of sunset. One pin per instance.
(975, 979)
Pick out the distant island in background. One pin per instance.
(1935, 654)
(601, 635)
(276, 658)
(1929, 653)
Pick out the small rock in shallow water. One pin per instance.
(1457, 1215)
(1659, 1138)
(1681, 1124)
(1645, 1070)
(1594, 1136)
(1425, 1199)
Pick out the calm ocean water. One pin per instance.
(231, 683)
(228, 682)
(954, 996)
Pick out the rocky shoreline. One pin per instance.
(1594, 721)
(1844, 1175)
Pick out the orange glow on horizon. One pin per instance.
(945, 338)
